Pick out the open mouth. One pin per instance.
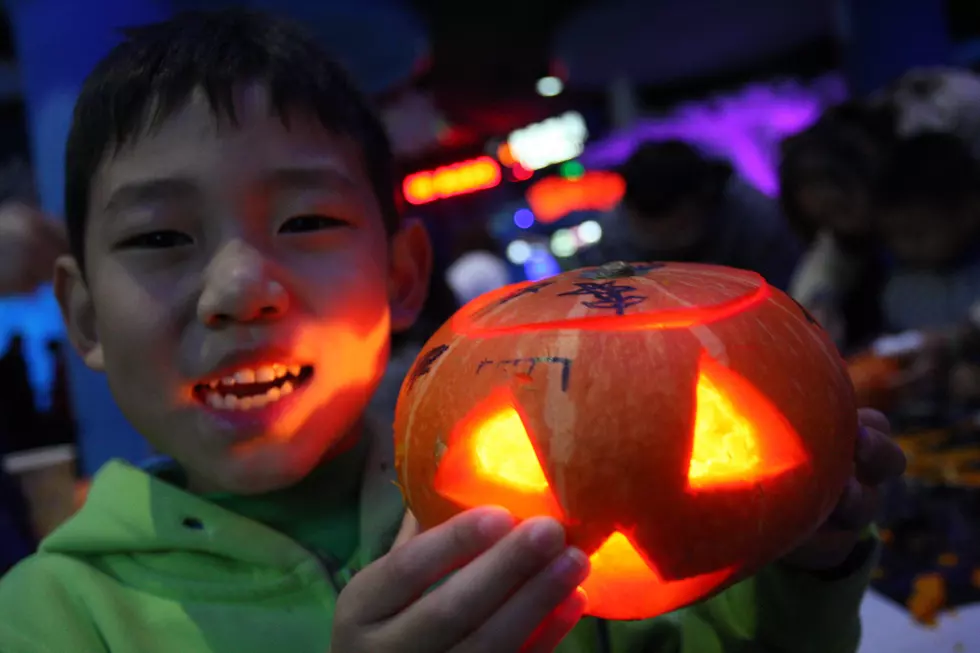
(253, 387)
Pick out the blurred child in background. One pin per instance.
(828, 175)
(680, 205)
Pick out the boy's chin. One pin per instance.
(260, 467)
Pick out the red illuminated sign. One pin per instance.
(553, 198)
(448, 181)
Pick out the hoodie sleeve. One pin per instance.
(40, 615)
(779, 610)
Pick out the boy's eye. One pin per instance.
(304, 223)
(156, 240)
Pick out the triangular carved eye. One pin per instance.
(491, 460)
(740, 438)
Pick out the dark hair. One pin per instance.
(847, 145)
(933, 169)
(661, 175)
(153, 72)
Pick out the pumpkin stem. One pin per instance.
(615, 270)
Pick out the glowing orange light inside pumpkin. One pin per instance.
(739, 437)
(491, 461)
(624, 585)
(504, 452)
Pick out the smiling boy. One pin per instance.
(237, 268)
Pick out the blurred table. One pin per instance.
(930, 526)
(48, 480)
(887, 628)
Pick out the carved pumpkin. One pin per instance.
(688, 424)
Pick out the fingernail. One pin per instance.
(495, 525)
(547, 536)
(572, 564)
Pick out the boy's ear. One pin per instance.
(77, 311)
(409, 268)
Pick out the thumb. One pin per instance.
(409, 529)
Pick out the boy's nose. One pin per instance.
(239, 287)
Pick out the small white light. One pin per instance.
(518, 252)
(563, 243)
(550, 86)
(590, 232)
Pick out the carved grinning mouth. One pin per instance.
(252, 387)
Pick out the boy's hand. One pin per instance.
(514, 590)
(877, 460)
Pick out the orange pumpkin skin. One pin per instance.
(612, 377)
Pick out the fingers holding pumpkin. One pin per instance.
(388, 586)
(499, 600)
(877, 458)
(558, 624)
(870, 418)
(856, 508)
(410, 528)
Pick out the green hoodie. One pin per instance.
(146, 567)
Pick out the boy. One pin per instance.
(929, 213)
(237, 268)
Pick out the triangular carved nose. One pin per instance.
(624, 585)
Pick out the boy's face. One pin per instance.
(674, 235)
(241, 290)
(843, 209)
(926, 237)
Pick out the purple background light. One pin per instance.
(744, 127)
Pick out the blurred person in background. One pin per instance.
(29, 244)
(929, 217)
(935, 99)
(29, 240)
(828, 175)
(680, 205)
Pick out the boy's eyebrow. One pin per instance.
(151, 190)
(307, 177)
(154, 190)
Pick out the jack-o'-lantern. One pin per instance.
(687, 424)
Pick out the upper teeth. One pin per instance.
(263, 374)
